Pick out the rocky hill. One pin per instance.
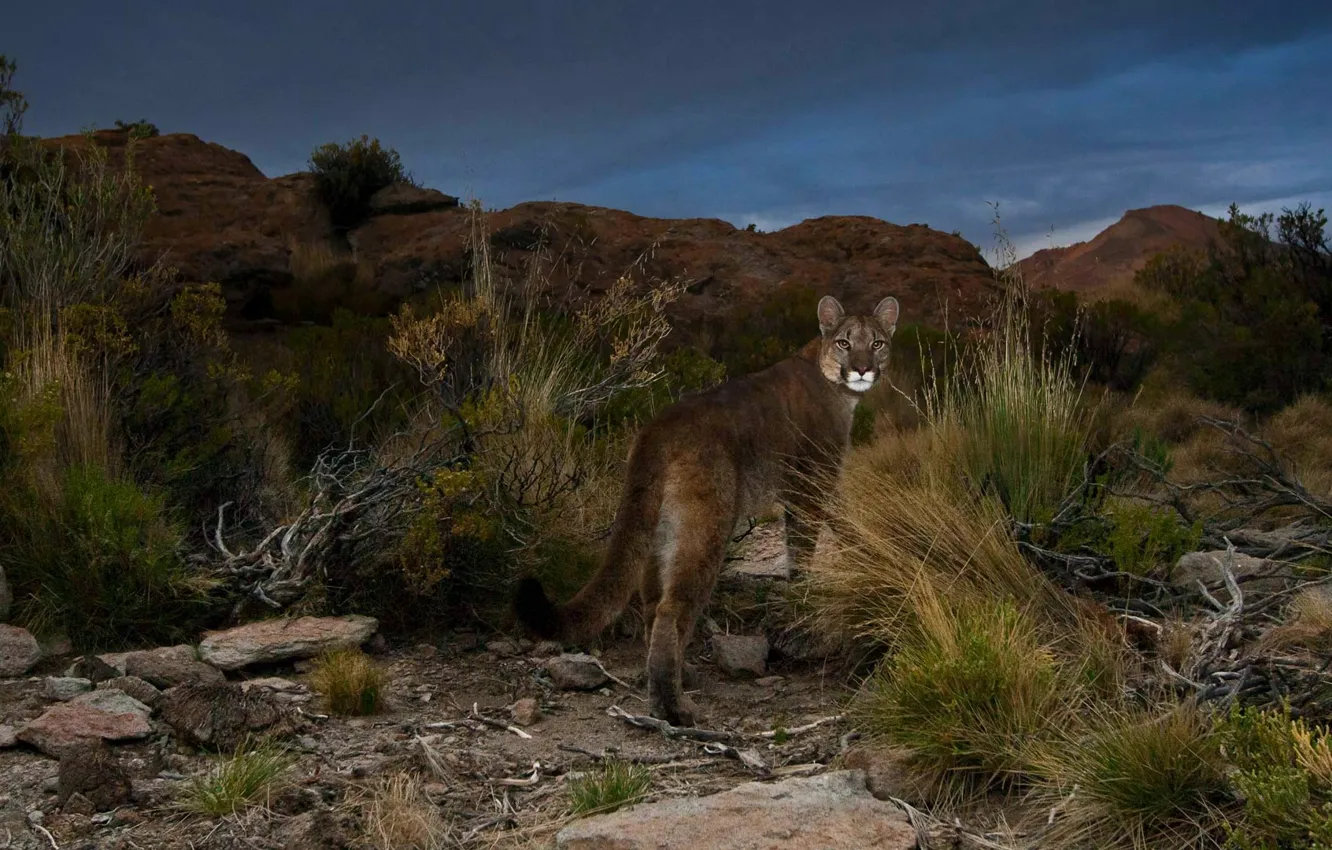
(223, 220)
(1119, 251)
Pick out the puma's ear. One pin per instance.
(886, 313)
(830, 314)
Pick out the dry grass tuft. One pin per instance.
(902, 519)
(399, 816)
(1308, 623)
(314, 261)
(1302, 433)
(350, 681)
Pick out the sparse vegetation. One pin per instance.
(250, 776)
(351, 683)
(141, 129)
(347, 175)
(612, 786)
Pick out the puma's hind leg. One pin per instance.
(687, 577)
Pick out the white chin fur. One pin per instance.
(859, 386)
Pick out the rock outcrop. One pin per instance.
(832, 812)
(223, 220)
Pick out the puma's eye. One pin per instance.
(878, 343)
(843, 344)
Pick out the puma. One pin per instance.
(701, 466)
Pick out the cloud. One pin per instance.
(1067, 113)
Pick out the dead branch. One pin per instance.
(645, 722)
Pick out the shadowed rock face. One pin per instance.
(222, 220)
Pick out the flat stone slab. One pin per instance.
(282, 639)
(833, 811)
(105, 715)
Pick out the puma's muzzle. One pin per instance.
(859, 381)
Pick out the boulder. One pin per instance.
(96, 668)
(576, 671)
(8, 736)
(99, 715)
(833, 811)
(64, 688)
(887, 772)
(406, 199)
(741, 655)
(283, 639)
(19, 651)
(169, 666)
(135, 687)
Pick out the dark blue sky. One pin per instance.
(1066, 113)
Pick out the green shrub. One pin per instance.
(1113, 342)
(684, 370)
(100, 560)
(1140, 538)
(12, 103)
(141, 129)
(347, 175)
(350, 390)
(752, 339)
(613, 786)
(1283, 775)
(1254, 311)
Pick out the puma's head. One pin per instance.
(854, 349)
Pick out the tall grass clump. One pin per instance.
(903, 520)
(90, 551)
(612, 786)
(401, 817)
(1139, 778)
(1018, 405)
(974, 693)
(349, 681)
(248, 777)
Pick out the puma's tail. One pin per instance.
(602, 599)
